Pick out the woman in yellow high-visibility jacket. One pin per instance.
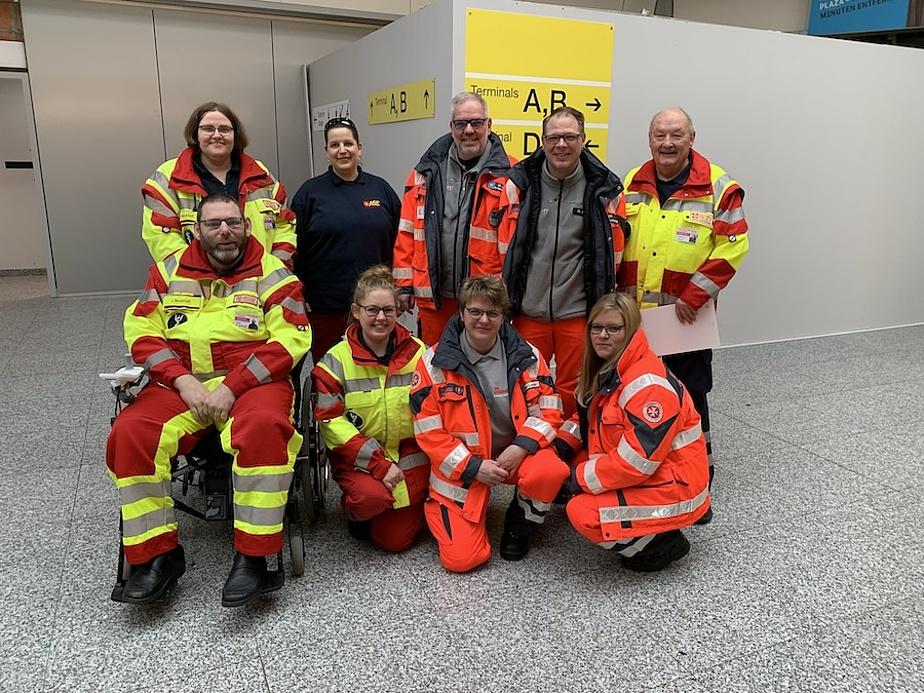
(362, 387)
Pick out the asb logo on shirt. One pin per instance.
(653, 412)
(175, 319)
(372, 203)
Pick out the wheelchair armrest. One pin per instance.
(125, 376)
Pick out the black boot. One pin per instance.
(359, 529)
(514, 544)
(149, 582)
(245, 581)
(663, 550)
(706, 518)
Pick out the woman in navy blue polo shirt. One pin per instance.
(347, 222)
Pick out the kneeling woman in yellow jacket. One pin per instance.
(642, 465)
(362, 387)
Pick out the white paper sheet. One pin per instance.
(667, 335)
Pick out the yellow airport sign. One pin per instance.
(411, 101)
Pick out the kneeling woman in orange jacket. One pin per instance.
(642, 468)
(362, 387)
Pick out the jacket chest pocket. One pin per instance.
(693, 233)
(245, 310)
(269, 209)
(456, 401)
(179, 309)
(611, 426)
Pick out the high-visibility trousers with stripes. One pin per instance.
(260, 437)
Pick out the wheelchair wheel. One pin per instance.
(312, 469)
(297, 551)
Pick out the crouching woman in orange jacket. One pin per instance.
(642, 471)
(362, 387)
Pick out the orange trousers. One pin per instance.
(464, 545)
(432, 321)
(565, 340)
(366, 498)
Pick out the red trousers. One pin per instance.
(565, 340)
(259, 436)
(366, 498)
(326, 330)
(464, 545)
(432, 321)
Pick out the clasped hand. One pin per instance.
(206, 406)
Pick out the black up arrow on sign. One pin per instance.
(595, 104)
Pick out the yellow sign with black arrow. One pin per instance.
(411, 101)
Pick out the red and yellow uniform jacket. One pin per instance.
(690, 247)
(363, 408)
(416, 268)
(646, 450)
(453, 423)
(249, 326)
(172, 195)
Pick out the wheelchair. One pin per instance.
(207, 470)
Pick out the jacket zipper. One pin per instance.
(561, 192)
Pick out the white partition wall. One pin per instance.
(820, 133)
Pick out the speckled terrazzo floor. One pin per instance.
(810, 578)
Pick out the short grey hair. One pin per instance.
(464, 96)
(672, 108)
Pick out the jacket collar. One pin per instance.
(635, 350)
(449, 353)
(194, 263)
(405, 348)
(699, 182)
(185, 179)
(497, 163)
(527, 172)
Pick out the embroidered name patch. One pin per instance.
(372, 203)
(704, 218)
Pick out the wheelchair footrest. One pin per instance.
(216, 506)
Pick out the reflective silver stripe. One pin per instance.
(333, 365)
(444, 488)
(361, 385)
(428, 423)
(149, 296)
(470, 440)
(265, 483)
(419, 235)
(258, 369)
(150, 489)
(412, 461)
(686, 437)
(406, 225)
(436, 374)
(541, 427)
(618, 513)
(259, 194)
(187, 202)
(202, 377)
(658, 297)
(364, 456)
(513, 193)
(158, 517)
(184, 286)
(458, 454)
(706, 284)
(719, 185)
(591, 480)
(159, 357)
(571, 428)
(633, 387)
(270, 280)
(400, 380)
(423, 291)
(419, 178)
(687, 206)
(283, 254)
(637, 198)
(402, 273)
(326, 400)
(628, 453)
(730, 216)
(297, 307)
(162, 181)
(550, 402)
(483, 234)
(263, 517)
(630, 547)
(533, 510)
(156, 205)
(708, 436)
(170, 263)
(503, 247)
(222, 290)
(630, 289)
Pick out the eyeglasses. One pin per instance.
(476, 123)
(373, 311)
(596, 329)
(478, 313)
(568, 137)
(339, 123)
(235, 224)
(223, 130)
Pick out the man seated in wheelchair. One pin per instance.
(218, 328)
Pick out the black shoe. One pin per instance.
(706, 518)
(663, 550)
(359, 529)
(513, 545)
(151, 581)
(246, 580)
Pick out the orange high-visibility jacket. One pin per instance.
(417, 248)
(452, 421)
(249, 326)
(690, 247)
(173, 192)
(646, 450)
